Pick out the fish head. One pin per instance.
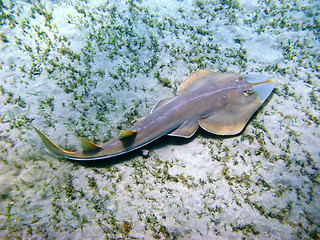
(250, 88)
(245, 95)
(260, 86)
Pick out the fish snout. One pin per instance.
(261, 85)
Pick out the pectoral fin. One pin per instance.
(202, 78)
(193, 80)
(230, 120)
(186, 130)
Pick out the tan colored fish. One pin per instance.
(221, 103)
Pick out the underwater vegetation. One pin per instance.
(89, 68)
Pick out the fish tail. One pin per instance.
(53, 148)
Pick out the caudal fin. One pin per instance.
(53, 148)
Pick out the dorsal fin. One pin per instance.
(137, 120)
(126, 133)
(193, 79)
(88, 146)
(140, 119)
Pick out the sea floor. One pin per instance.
(90, 68)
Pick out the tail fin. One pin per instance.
(53, 148)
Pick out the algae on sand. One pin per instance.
(64, 65)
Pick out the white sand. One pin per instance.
(92, 67)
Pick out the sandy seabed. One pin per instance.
(89, 68)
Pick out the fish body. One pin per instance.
(221, 103)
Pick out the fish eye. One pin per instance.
(240, 79)
(247, 93)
